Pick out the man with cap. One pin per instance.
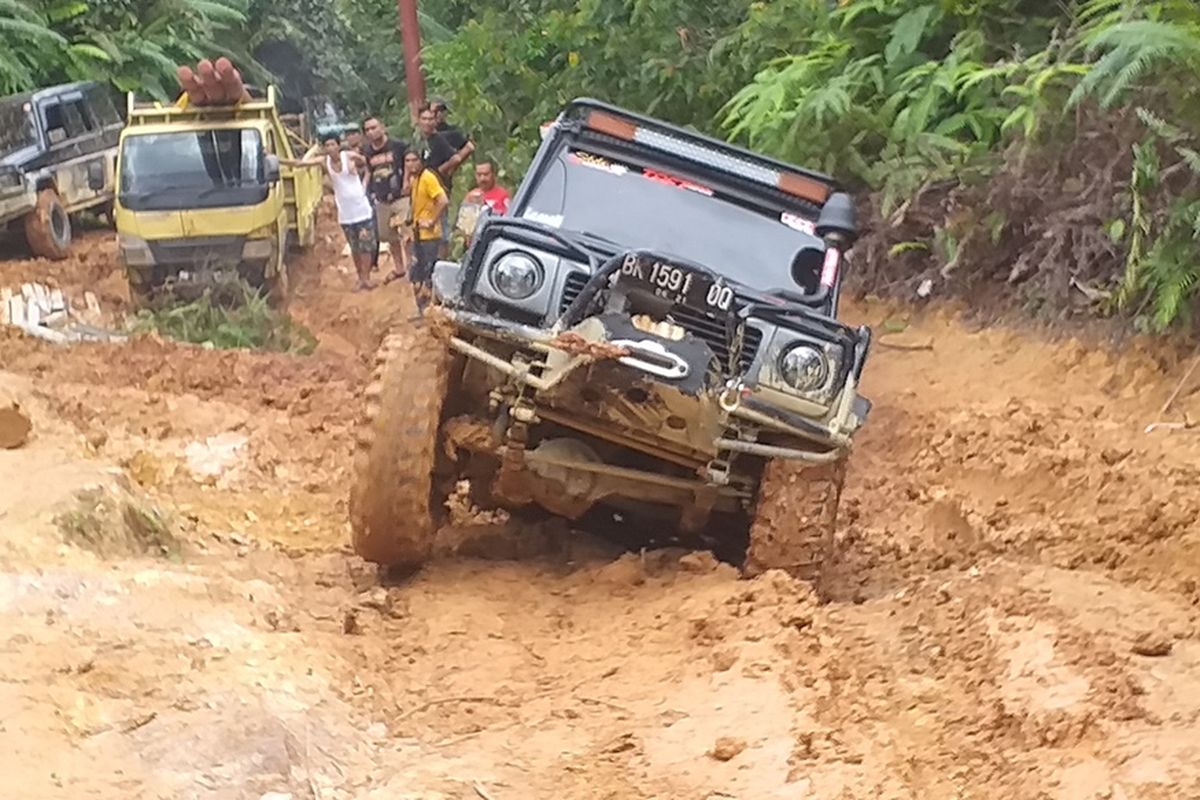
(444, 148)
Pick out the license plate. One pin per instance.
(678, 285)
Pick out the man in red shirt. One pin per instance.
(486, 191)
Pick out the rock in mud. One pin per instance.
(1153, 645)
(699, 562)
(625, 571)
(727, 748)
(15, 425)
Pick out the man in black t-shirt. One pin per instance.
(388, 187)
(443, 156)
(453, 134)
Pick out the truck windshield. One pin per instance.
(643, 208)
(192, 169)
(16, 126)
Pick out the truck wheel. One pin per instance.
(48, 227)
(795, 519)
(141, 289)
(393, 511)
(276, 285)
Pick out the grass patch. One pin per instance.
(111, 524)
(229, 318)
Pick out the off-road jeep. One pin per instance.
(58, 148)
(652, 328)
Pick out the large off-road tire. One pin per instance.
(795, 518)
(48, 227)
(393, 511)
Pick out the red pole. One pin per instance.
(410, 37)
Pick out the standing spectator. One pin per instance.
(388, 186)
(355, 214)
(441, 156)
(429, 204)
(354, 140)
(487, 191)
(453, 134)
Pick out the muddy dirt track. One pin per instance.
(1014, 612)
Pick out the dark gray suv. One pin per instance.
(58, 150)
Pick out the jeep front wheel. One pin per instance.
(795, 518)
(48, 227)
(393, 511)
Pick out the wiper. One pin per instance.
(597, 237)
(144, 194)
(211, 190)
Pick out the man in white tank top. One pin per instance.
(355, 213)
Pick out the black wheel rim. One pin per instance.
(59, 226)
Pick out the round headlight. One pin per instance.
(516, 275)
(804, 368)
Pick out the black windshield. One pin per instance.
(197, 169)
(16, 127)
(643, 208)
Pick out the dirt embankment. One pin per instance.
(1015, 610)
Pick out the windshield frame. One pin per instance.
(764, 206)
(194, 194)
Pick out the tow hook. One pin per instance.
(731, 396)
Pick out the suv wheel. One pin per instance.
(48, 227)
(394, 512)
(793, 526)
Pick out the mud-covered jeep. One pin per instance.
(58, 148)
(651, 330)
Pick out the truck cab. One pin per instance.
(58, 149)
(201, 197)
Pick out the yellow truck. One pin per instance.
(202, 197)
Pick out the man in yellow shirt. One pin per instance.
(429, 201)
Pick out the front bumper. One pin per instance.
(184, 260)
(15, 203)
(718, 418)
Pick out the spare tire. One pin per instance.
(48, 227)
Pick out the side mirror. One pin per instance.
(838, 220)
(95, 176)
(272, 169)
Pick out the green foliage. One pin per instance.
(511, 66)
(132, 44)
(892, 94)
(899, 95)
(1162, 263)
(229, 322)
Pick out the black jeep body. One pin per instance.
(652, 329)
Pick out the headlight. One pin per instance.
(804, 368)
(516, 275)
